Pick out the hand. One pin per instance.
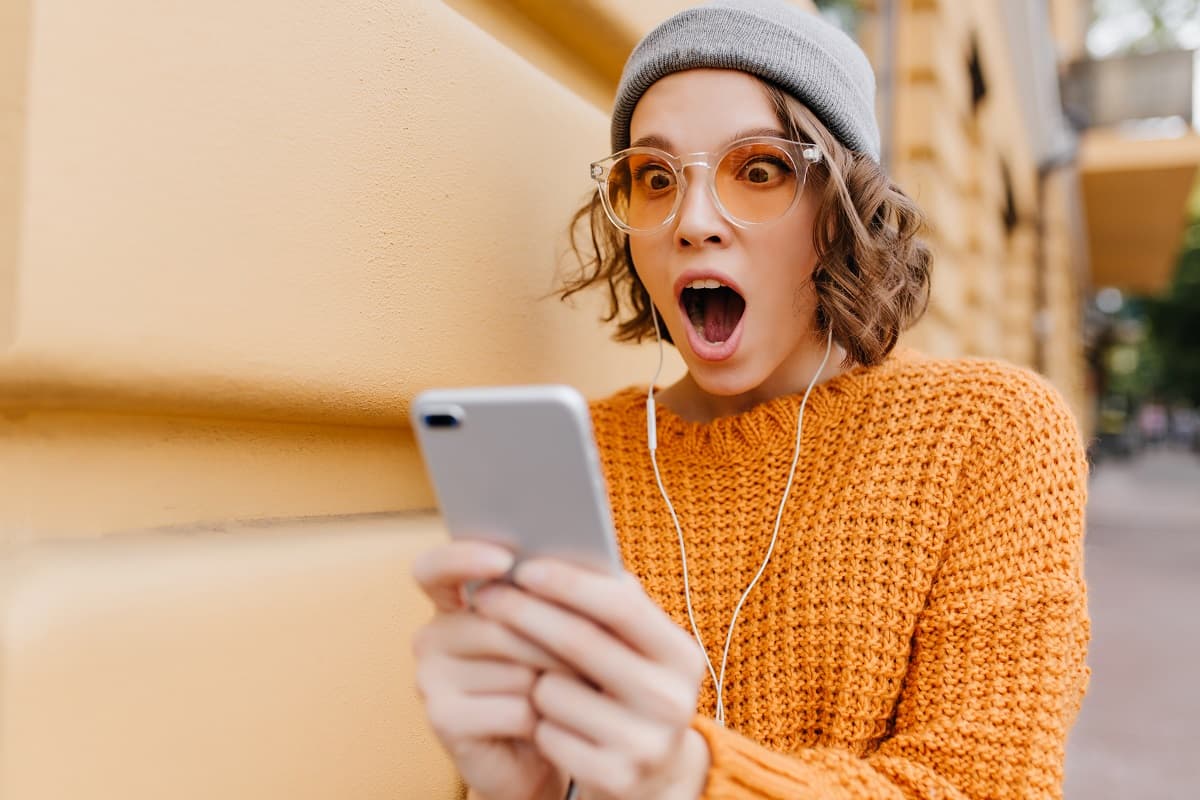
(475, 677)
(619, 720)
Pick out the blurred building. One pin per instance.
(235, 239)
(978, 136)
(1039, 191)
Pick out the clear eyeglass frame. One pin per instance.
(803, 156)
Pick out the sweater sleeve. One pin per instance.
(996, 670)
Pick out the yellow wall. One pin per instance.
(14, 26)
(300, 214)
(582, 43)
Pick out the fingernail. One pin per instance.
(496, 559)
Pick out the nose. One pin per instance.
(699, 221)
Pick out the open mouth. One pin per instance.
(713, 308)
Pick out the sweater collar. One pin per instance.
(772, 423)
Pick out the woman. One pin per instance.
(854, 572)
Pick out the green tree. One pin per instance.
(1175, 325)
(1140, 26)
(843, 13)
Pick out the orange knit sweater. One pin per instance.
(921, 629)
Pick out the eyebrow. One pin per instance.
(662, 143)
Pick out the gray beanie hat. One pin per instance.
(777, 41)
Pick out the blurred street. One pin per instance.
(1137, 735)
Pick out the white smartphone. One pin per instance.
(517, 465)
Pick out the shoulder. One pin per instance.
(618, 410)
(621, 401)
(619, 428)
(992, 395)
(1013, 417)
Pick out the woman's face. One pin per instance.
(728, 350)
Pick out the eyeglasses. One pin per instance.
(754, 181)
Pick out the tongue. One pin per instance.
(722, 310)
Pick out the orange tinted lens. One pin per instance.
(757, 182)
(642, 190)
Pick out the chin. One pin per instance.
(725, 380)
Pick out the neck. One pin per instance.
(692, 402)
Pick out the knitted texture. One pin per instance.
(921, 629)
(785, 45)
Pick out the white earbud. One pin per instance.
(652, 442)
(651, 420)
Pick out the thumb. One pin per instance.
(442, 571)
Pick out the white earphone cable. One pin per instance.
(652, 440)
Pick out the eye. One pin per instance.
(654, 178)
(764, 170)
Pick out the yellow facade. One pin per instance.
(235, 239)
(1008, 281)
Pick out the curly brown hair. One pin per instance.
(872, 273)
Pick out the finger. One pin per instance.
(593, 652)
(592, 767)
(442, 571)
(599, 719)
(618, 603)
(471, 636)
(476, 676)
(454, 717)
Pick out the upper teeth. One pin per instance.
(705, 283)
